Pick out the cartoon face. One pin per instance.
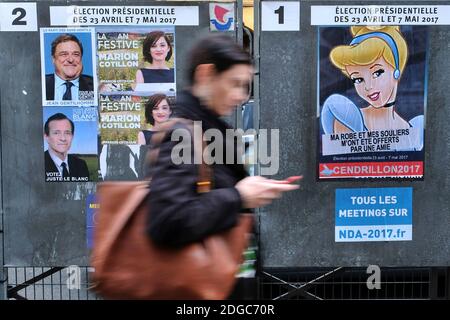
(161, 112)
(375, 82)
(159, 50)
(60, 136)
(67, 60)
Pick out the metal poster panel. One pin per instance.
(372, 101)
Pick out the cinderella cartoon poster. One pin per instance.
(371, 101)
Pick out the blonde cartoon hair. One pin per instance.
(371, 49)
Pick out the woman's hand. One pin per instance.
(258, 191)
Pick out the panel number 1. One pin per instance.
(280, 13)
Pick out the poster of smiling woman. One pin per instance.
(134, 63)
(138, 61)
(371, 101)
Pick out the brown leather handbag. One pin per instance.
(128, 265)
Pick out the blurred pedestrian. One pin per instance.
(219, 74)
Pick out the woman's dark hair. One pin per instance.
(152, 103)
(150, 40)
(218, 49)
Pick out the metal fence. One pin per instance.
(351, 283)
(63, 283)
(55, 283)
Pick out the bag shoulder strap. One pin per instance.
(204, 180)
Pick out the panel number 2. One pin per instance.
(20, 13)
(18, 16)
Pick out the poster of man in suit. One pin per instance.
(70, 144)
(68, 69)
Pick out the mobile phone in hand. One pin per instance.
(292, 179)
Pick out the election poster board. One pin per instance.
(115, 58)
(372, 101)
(70, 144)
(373, 214)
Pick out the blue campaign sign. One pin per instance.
(373, 214)
(91, 210)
